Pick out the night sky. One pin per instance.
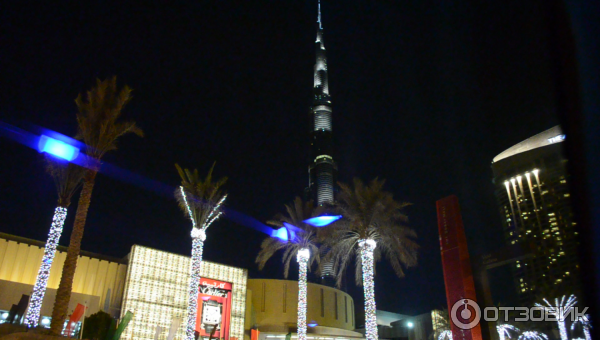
(425, 93)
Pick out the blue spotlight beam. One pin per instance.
(57, 148)
(55, 142)
(321, 221)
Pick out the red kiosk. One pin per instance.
(214, 308)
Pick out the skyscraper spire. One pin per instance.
(322, 168)
(319, 17)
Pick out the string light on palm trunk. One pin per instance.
(367, 247)
(197, 248)
(302, 257)
(39, 289)
(586, 324)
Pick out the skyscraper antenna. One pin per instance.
(319, 19)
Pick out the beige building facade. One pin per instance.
(273, 310)
(153, 285)
(98, 282)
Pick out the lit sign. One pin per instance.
(214, 309)
(556, 139)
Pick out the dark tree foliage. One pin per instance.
(96, 326)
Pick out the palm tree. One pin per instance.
(373, 224)
(586, 324)
(301, 244)
(532, 335)
(99, 128)
(503, 330)
(67, 177)
(201, 200)
(560, 309)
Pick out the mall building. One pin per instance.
(153, 285)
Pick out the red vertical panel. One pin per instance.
(74, 319)
(458, 275)
(254, 334)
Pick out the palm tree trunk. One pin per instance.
(39, 289)
(302, 257)
(366, 248)
(586, 332)
(63, 295)
(563, 329)
(197, 248)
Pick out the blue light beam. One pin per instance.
(321, 221)
(57, 148)
(282, 234)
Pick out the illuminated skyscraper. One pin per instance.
(532, 189)
(322, 168)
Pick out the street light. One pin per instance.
(57, 148)
(288, 231)
(321, 221)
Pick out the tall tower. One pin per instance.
(532, 189)
(322, 168)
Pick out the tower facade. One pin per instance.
(533, 194)
(322, 168)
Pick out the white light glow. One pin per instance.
(532, 335)
(447, 334)
(39, 289)
(556, 139)
(503, 330)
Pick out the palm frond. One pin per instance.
(67, 176)
(305, 236)
(369, 212)
(98, 116)
(202, 196)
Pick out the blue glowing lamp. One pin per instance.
(312, 324)
(57, 148)
(282, 234)
(321, 221)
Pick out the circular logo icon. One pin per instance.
(465, 314)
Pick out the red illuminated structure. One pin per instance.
(458, 275)
(214, 308)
